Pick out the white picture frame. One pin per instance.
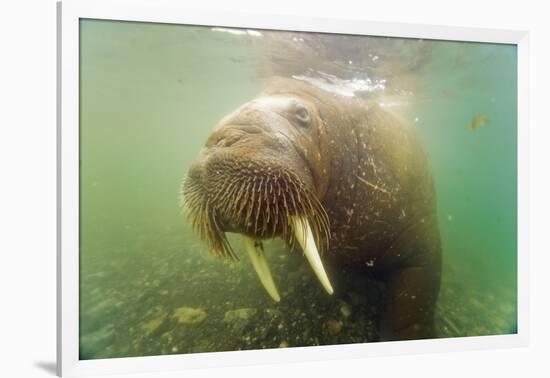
(69, 14)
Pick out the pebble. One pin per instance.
(239, 314)
(334, 326)
(189, 315)
(345, 310)
(152, 325)
(273, 313)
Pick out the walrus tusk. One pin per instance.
(256, 253)
(303, 234)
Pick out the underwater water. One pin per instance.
(150, 95)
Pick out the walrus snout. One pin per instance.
(253, 178)
(259, 198)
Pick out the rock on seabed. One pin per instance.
(239, 314)
(189, 315)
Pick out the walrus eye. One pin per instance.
(302, 115)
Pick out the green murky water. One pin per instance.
(150, 95)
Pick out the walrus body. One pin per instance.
(298, 160)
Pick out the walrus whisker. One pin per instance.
(251, 201)
(267, 206)
(221, 244)
(226, 197)
(263, 201)
(236, 200)
(216, 198)
(265, 218)
(258, 209)
(229, 204)
(276, 207)
(286, 214)
(243, 198)
(294, 206)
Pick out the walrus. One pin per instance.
(339, 177)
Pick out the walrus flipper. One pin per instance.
(412, 288)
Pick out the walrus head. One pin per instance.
(262, 174)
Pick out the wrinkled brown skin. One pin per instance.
(373, 179)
